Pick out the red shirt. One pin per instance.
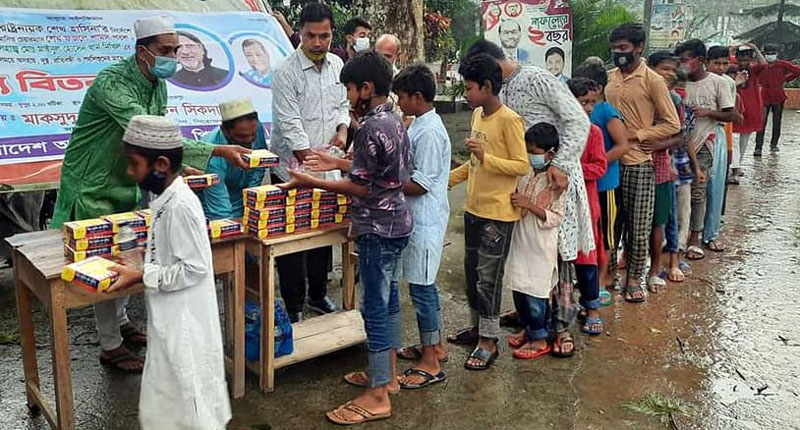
(594, 164)
(750, 94)
(774, 76)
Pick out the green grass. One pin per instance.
(7, 338)
(659, 406)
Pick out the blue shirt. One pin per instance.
(430, 161)
(253, 76)
(224, 200)
(602, 114)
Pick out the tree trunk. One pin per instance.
(403, 18)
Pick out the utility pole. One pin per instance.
(648, 14)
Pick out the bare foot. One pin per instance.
(375, 401)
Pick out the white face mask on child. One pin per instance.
(538, 161)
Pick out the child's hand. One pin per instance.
(476, 149)
(700, 176)
(127, 278)
(702, 113)
(647, 146)
(519, 201)
(299, 179)
(320, 162)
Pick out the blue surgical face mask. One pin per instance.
(538, 161)
(164, 67)
(771, 57)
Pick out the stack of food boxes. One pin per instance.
(100, 236)
(271, 211)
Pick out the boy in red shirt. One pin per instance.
(749, 59)
(772, 79)
(594, 164)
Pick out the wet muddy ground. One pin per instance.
(722, 348)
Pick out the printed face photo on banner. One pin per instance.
(204, 62)
(257, 58)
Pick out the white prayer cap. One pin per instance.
(233, 109)
(153, 26)
(153, 132)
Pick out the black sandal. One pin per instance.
(429, 379)
(481, 354)
(132, 335)
(467, 336)
(414, 353)
(561, 340)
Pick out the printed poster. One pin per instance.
(536, 32)
(668, 24)
(48, 59)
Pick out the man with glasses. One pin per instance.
(94, 181)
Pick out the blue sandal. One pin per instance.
(587, 326)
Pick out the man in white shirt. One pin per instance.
(311, 111)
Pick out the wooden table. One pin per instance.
(315, 336)
(38, 259)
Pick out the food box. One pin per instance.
(266, 213)
(340, 200)
(261, 158)
(93, 274)
(91, 242)
(220, 228)
(260, 224)
(87, 228)
(266, 192)
(131, 219)
(146, 214)
(331, 219)
(320, 194)
(75, 255)
(199, 182)
(271, 231)
(306, 224)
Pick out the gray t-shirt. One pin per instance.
(712, 93)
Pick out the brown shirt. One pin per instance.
(642, 98)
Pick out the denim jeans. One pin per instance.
(486, 246)
(379, 265)
(671, 230)
(533, 313)
(429, 312)
(589, 285)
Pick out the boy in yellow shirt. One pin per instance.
(498, 160)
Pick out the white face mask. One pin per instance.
(361, 44)
(771, 57)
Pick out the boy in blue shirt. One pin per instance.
(240, 126)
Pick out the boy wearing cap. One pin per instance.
(240, 126)
(93, 179)
(183, 385)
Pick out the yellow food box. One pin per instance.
(261, 158)
(320, 194)
(87, 228)
(73, 255)
(266, 213)
(220, 228)
(94, 273)
(273, 231)
(198, 182)
(132, 219)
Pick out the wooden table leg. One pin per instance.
(237, 317)
(348, 277)
(27, 337)
(227, 297)
(62, 365)
(267, 297)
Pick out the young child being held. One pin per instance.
(183, 385)
(594, 165)
(532, 264)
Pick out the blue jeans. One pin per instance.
(429, 312)
(533, 312)
(379, 265)
(671, 230)
(589, 285)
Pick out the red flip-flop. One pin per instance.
(527, 354)
(515, 342)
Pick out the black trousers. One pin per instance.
(294, 269)
(777, 117)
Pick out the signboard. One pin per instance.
(537, 32)
(48, 59)
(668, 24)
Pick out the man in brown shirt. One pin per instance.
(642, 98)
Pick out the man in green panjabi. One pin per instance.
(94, 181)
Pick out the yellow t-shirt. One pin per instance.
(490, 183)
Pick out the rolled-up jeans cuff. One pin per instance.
(429, 338)
(379, 368)
(590, 304)
(489, 327)
(537, 334)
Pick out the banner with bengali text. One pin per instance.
(48, 59)
(535, 32)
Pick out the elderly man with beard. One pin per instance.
(196, 69)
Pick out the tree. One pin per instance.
(592, 22)
(402, 18)
(778, 31)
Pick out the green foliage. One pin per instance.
(663, 408)
(342, 11)
(592, 22)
